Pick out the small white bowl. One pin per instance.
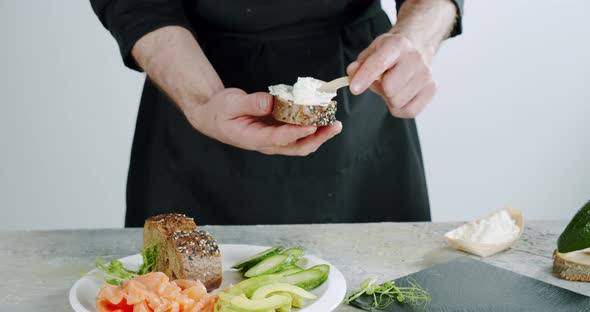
(488, 249)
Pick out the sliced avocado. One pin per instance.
(285, 308)
(228, 294)
(296, 302)
(224, 307)
(248, 286)
(293, 290)
(576, 235)
(224, 297)
(298, 295)
(233, 290)
(241, 303)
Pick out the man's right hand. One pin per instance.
(234, 117)
(176, 63)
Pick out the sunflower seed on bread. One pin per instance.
(195, 255)
(158, 229)
(183, 251)
(573, 266)
(304, 115)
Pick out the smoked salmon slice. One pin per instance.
(154, 292)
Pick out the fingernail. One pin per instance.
(339, 130)
(263, 103)
(353, 66)
(355, 88)
(311, 131)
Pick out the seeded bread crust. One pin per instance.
(570, 270)
(183, 251)
(158, 229)
(195, 255)
(304, 115)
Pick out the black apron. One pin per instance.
(371, 171)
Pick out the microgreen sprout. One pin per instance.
(387, 293)
(114, 273)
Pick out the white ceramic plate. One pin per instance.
(330, 294)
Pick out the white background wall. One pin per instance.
(508, 127)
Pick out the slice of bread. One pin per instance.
(195, 255)
(305, 115)
(158, 229)
(183, 251)
(573, 266)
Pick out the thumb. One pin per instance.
(242, 104)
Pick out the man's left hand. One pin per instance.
(393, 67)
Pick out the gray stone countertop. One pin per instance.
(37, 268)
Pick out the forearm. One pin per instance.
(426, 23)
(172, 58)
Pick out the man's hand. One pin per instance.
(235, 118)
(175, 62)
(395, 69)
(397, 64)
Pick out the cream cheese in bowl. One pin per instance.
(498, 228)
(489, 235)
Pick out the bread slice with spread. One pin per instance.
(573, 266)
(304, 103)
(304, 115)
(571, 259)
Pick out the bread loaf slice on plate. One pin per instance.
(304, 115)
(158, 230)
(195, 255)
(573, 266)
(183, 251)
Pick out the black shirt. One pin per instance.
(372, 171)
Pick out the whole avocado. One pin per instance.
(576, 235)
